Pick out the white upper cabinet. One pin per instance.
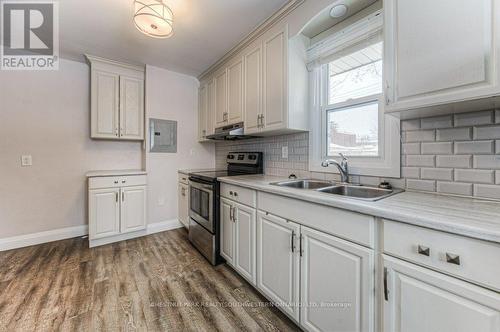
(221, 98)
(440, 52)
(275, 80)
(235, 91)
(131, 108)
(252, 95)
(117, 100)
(105, 104)
(202, 112)
(265, 85)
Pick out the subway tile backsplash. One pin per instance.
(455, 154)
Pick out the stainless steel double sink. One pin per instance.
(341, 189)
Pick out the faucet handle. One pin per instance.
(342, 156)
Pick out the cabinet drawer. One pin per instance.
(477, 260)
(348, 225)
(117, 181)
(183, 178)
(239, 194)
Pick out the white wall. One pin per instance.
(46, 114)
(173, 96)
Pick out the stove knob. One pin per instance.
(230, 156)
(252, 157)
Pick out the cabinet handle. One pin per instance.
(116, 182)
(231, 193)
(387, 99)
(262, 120)
(123, 196)
(300, 245)
(386, 290)
(422, 250)
(452, 259)
(123, 181)
(116, 197)
(292, 240)
(231, 213)
(235, 194)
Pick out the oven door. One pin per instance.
(201, 200)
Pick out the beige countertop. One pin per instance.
(187, 171)
(459, 215)
(118, 172)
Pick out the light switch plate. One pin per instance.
(26, 160)
(284, 152)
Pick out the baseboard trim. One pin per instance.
(32, 239)
(163, 226)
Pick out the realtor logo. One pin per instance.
(30, 35)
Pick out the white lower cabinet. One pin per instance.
(133, 209)
(278, 262)
(183, 204)
(419, 299)
(226, 231)
(117, 208)
(104, 212)
(244, 235)
(237, 242)
(337, 284)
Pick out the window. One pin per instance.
(347, 102)
(352, 114)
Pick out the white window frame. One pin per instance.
(388, 161)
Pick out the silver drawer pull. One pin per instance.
(116, 182)
(231, 193)
(422, 250)
(235, 194)
(453, 259)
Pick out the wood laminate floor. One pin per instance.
(154, 283)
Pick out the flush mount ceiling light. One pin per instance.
(338, 11)
(153, 18)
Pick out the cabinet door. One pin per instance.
(104, 213)
(104, 104)
(202, 112)
(211, 107)
(235, 91)
(227, 228)
(252, 96)
(221, 98)
(183, 204)
(431, 61)
(131, 108)
(133, 209)
(423, 300)
(337, 284)
(246, 227)
(278, 261)
(275, 80)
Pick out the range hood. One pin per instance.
(229, 132)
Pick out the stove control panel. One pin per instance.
(248, 158)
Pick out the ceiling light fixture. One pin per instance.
(338, 11)
(153, 18)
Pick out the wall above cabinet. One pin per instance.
(116, 100)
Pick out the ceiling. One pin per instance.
(204, 30)
(323, 21)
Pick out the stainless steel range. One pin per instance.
(204, 201)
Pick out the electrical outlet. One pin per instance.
(284, 152)
(26, 160)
